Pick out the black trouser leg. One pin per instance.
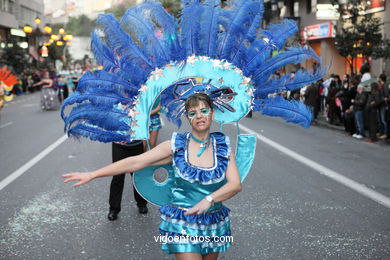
(116, 190)
(373, 124)
(138, 198)
(120, 152)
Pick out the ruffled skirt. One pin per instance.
(203, 234)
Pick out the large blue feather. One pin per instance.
(238, 57)
(102, 53)
(103, 100)
(273, 37)
(292, 55)
(121, 43)
(138, 24)
(240, 19)
(190, 27)
(96, 134)
(258, 52)
(302, 78)
(106, 58)
(100, 78)
(111, 120)
(209, 28)
(166, 23)
(279, 33)
(291, 111)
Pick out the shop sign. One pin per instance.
(327, 12)
(17, 32)
(318, 31)
(375, 6)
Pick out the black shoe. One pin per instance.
(142, 209)
(112, 215)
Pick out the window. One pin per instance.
(4, 6)
(311, 6)
(296, 9)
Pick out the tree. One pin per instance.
(359, 34)
(171, 6)
(119, 10)
(80, 25)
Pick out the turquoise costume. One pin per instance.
(191, 185)
(217, 49)
(155, 121)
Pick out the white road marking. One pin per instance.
(6, 124)
(31, 163)
(360, 188)
(29, 105)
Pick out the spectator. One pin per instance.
(333, 109)
(359, 104)
(312, 98)
(345, 96)
(365, 71)
(373, 103)
(383, 88)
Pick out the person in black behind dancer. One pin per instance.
(119, 152)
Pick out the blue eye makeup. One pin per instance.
(191, 114)
(205, 111)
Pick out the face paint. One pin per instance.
(191, 114)
(203, 111)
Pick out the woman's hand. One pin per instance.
(83, 178)
(200, 208)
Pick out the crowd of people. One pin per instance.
(54, 86)
(358, 102)
(32, 80)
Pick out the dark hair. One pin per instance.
(383, 77)
(196, 98)
(365, 68)
(374, 86)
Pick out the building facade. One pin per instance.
(318, 22)
(14, 15)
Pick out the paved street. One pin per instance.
(306, 196)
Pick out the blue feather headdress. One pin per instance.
(219, 51)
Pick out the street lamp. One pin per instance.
(47, 29)
(54, 37)
(35, 34)
(37, 21)
(27, 29)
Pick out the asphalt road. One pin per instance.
(290, 207)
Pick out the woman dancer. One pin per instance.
(215, 49)
(201, 184)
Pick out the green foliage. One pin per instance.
(80, 25)
(119, 10)
(359, 33)
(171, 6)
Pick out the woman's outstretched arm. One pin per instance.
(159, 155)
(231, 188)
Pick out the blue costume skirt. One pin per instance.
(155, 122)
(205, 233)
